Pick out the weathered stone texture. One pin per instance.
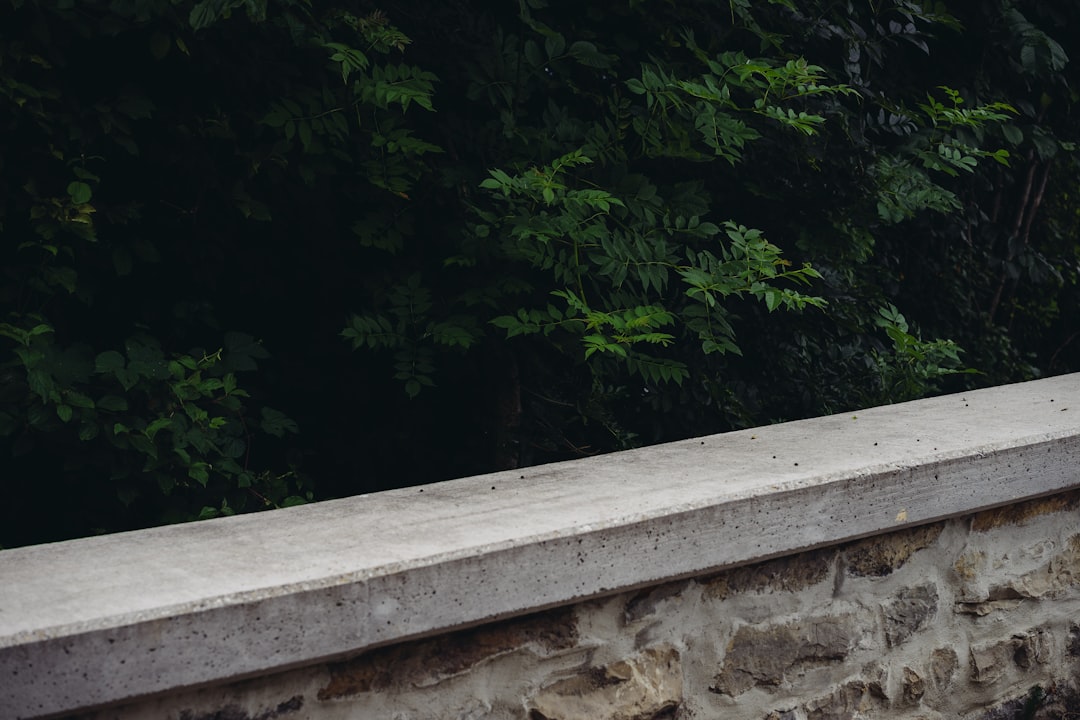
(647, 686)
(1050, 579)
(849, 701)
(913, 687)
(944, 662)
(908, 612)
(763, 655)
(787, 574)
(991, 661)
(883, 555)
(1020, 513)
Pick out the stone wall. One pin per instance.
(971, 617)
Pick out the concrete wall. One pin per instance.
(915, 561)
(959, 618)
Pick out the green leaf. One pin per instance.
(1012, 133)
(277, 423)
(77, 399)
(587, 54)
(80, 192)
(554, 45)
(143, 445)
(108, 361)
(199, 472)
(153, 428)
(234, 448)
(532, 53)
(64, 412)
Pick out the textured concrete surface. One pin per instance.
(102, 620)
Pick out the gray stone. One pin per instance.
(845, 703)
(991, 661)
(944, 663)
(762, 655)
(877, 680)
(908, 612)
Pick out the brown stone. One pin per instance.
(944, 663)
(786, 574)
(913, 686)
(646, 686)
(969, 565)
(883, 554)
(991, 661)
(782, 715)
(427, 662)
(908, 612)
(844, 703)
(1060, 573)
(987, 607)
(1020, 513)
(762, 655)
(877, 680)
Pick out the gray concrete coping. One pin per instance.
(102, 620)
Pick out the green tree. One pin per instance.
(383, 245)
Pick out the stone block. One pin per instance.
(786, 574)
(1058, 574)
(643, 687)
(877, 680)
(782, 715)
(944, 663)
(991, 661)
(1021, 513)
(913, 687)
(908, 611)
(882, 555)
(763, 655)
(845, 703)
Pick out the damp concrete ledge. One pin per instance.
(100, 621)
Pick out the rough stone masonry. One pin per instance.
(975, 618)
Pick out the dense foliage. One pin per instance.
(259, 252)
